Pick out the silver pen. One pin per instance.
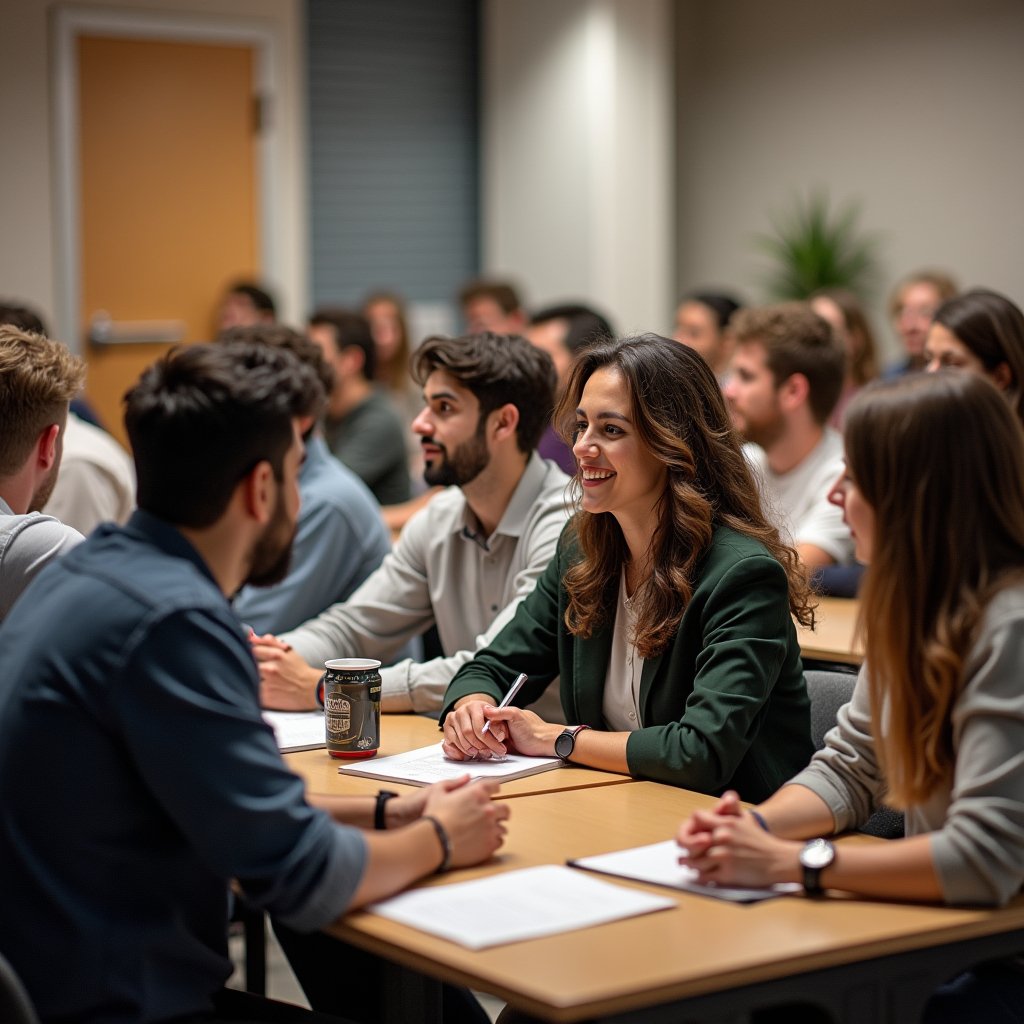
(507, 699)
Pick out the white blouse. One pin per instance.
(621, 702)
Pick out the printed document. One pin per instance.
(427, 765)
(517, 905)
(297, 730)
(659, 864)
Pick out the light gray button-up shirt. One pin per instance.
(443, 572)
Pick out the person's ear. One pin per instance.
(258, 491)
(504, 421)
(1002, 376)
(46, 446)
(794, 391)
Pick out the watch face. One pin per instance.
(564, 744)
(818, 853)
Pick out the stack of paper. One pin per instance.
(297, 730)
(427, 765)
(517, 905)
(659, 864)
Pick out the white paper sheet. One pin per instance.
(426, 765)
(659, 864)
(517, 905)
(297, 730)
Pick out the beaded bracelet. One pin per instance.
(442, 837)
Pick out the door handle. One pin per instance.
(104, 330)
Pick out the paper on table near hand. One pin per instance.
(517, 905)
(659, 864)
(427, 765)
(297, 730)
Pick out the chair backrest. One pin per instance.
(15, 1006)
(828, 692)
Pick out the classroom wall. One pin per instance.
(28, 267)
(912, 107)
(577, 192)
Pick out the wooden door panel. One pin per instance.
(168, 185)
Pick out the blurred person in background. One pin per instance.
(492, 305)
(912, 307)
(702, 322)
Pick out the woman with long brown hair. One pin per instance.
(933, 493)
(667, 608)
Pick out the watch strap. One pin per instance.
(379, 819)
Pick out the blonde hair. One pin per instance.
(940, 460)
(38, 378)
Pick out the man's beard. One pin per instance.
(466, 463)
(272, 553)
(766, 431)
(43, 492)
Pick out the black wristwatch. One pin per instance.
(816, 855)
(566, 742)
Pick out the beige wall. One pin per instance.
(913, 107)
(577, 191)
(28, 258)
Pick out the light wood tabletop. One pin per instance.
(399, 733)
(833, 638)
(702, 946)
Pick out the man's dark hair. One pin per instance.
(202, 417)
(308, 352)
(350, 329)
(498, 369)
(586, 325)
(22, 317)
(721, 304)
(501, 292)
(259, 297)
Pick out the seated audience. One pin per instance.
(666, 610)
(361, 428)
(563, 332)
(246, 304)
(490, 305)
(97, 479)
(912, 307)
(787, 372)
(466, 561)
(340, 538)
(38, 378)
(844, 311)
(120, 867)
(385, 313)
(702, 322)
(936, 723)
(982, 332)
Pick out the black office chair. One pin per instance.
(829, 691)
(15, 1006)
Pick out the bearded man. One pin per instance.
(466, 560)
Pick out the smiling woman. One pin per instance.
(667, 610)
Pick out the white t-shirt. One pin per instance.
(797, 502)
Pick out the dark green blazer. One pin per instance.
(723, 706)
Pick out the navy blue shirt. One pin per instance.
(136, 778)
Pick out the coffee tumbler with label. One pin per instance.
(352, 707)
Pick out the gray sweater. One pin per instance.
(975, 819)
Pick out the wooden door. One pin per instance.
(168, 196)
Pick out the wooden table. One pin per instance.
(833, 640)
(399, 733)
(705, 959)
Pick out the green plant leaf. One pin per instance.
(812, 246)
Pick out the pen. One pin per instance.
(507, 699)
